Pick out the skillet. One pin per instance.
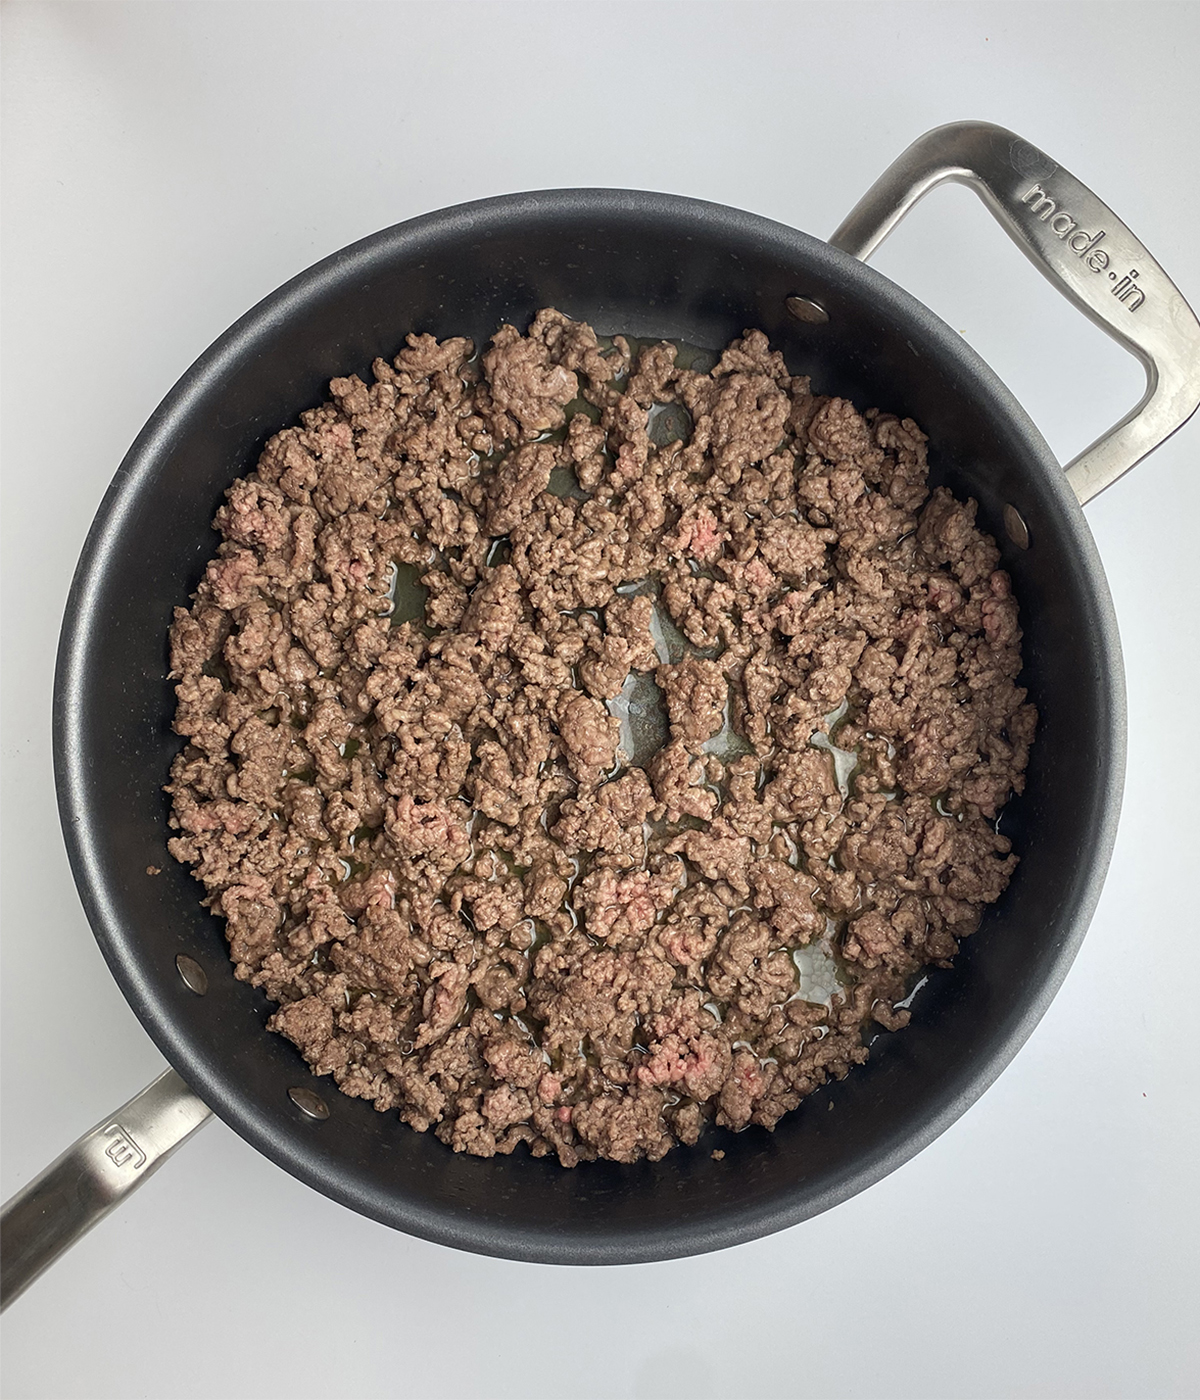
(649, 265)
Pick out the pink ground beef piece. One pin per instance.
(423, 825)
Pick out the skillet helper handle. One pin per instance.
(1076, 241)
(45, 1218)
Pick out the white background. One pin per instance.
(166, 165)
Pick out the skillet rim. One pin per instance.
(296, 1154)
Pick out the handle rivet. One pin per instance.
(194, 976)
(806, 310)
(1015, 527)
(308, 1102)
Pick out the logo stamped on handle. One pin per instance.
(1085, 245)
(122, 1151)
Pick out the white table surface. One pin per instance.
(166, 165)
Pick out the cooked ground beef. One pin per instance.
(686, 761)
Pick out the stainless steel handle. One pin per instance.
(1082, 247)
(45, 1218)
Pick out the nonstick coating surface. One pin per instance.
(648, 265)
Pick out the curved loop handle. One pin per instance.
(1082, 247)
(46, 1217)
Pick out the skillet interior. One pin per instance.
(650, 265)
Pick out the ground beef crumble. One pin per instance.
(572, 780)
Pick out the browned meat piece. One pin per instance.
(528, 390)
(696, 694)
(589, 734)
(517, 482)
